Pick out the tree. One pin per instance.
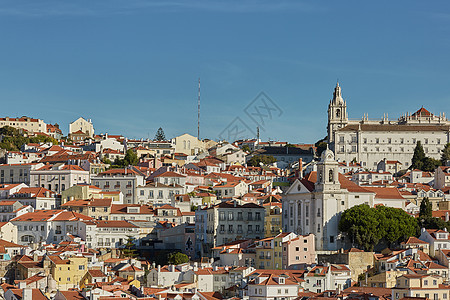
(130, 158)
(246, 148)
(129, 249)
(418, 157)
(321, 145)
(426, 210)
(361, 225)
(264, 159)
(176, 258)
(159, 136)
(367, 226)
(395, 224)
(430, 164)
(445, 156)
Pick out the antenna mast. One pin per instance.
(198, 111)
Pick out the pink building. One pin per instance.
(299, 251)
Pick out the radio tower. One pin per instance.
(198, 111)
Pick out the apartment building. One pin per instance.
(29, 124)
(58, 177)
(124, 180)
(17, 173)
(229, 221)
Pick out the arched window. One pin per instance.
(27, 238)
(338, 113)
(184, 144)
(330, 176)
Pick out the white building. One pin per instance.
(314, 203)
(48, 226)
(17, 173)
(158, 194)
(123, 180)
(272, 287)
(107, 234)
(228, 221)
(29, 124)
(442, 177)
(188, 144)
(371, 141)
(58, 177)
(82, 125)
(328, 277)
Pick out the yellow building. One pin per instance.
(416, 285)
(386, 279)
(67, 272)
(81, 191)
(94, 208)
(272, 221)
(269, 251)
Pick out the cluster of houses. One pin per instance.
(75, 223)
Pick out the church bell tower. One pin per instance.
(337, 114)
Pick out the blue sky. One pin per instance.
(132, 65)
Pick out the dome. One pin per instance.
(327, 155)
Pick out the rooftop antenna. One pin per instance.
(198, 111)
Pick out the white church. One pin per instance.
(370, 141)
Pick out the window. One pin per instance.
(425, 282)
(249, 216)
(142, 192)
(230, 216)
(331, 239)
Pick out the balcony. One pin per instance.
(239, 231)
(261, 256)
(57, 231)
(128, 185)
(117, 186)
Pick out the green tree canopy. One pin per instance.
(321, 145)
(13, 139)
(426, 209)
(265, 159)
(418, 157)
(160, 136)
(361, 225)
(367, 226)
(445, 156)
(246, 148)
(129, 248)
(176, 258)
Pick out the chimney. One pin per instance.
(159, 269)
(300, 168)
(446, 217)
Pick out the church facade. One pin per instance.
(371, 141)
(314, 204)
